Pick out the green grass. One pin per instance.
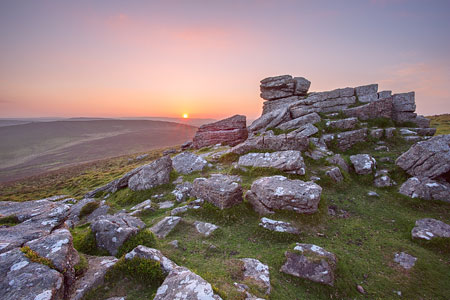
(143, 237)
(88, 209)
(82, 265)
(84, 241)
(9, 221)
(441, 123)
(35, 257)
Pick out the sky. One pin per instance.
(206, 58)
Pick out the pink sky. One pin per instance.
(205, 58)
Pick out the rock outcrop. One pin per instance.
(290, 161)
(188, 162)
(230, 131)
(223, 191)
(428, 229)
(280, 193)
(273, 88)
(165, 226)
(151, 175)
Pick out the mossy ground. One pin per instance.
(365, 241)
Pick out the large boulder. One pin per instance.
(111, 231)
(310, 262)
(280, 193)
(152, 175)
(430, 158)
(22, 279)
(377, 109)
(363, 163)
(289, 161)
(425, 188)
(220, 190)
(283, 86)
(428, 229)
(188, 162)
(295, 140)
(230, 131)
(404, 106)
(98, 266)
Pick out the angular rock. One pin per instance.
(94, 276)
(257, 273)
(289, 161)
(187, 145)
(428, 229)
(22, 279)
(181, 283)
(368, 98)
(376, 109)
(277, 87)
(278, 192)
(152, 254)
(345, 140)
(223, 191)
(339, 161)
(425, 188)
(151, 175)
(310, 262)
(205, 229)
(422, 122)
(278, 226)
(301, 86)
(425, 131)
(404, 102)
(165, 226)
(188, 162)
(335, 174)
(376, 133)
(405, 260)
(429, 158)
(383, 181)
(300, 121)
(230, 131)
(366, 89)
(270, 106)
(344, 124)
(166, 204)
(384, 94)
(111, 231)
(271, 119)
(182, 191)
(363, 163)
(145, 205)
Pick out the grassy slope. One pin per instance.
(365, 242)
(441, 122)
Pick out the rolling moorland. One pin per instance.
(362, 223)
(33, 148)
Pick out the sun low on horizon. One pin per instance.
(185, 116)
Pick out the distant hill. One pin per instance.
(441, 123)
(33, 148)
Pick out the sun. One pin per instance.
(185, 116)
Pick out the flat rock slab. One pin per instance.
(165, 226)
(165, 204)
(427, 189)
(345, 124)
(111, 231)
(405, 260)
(147, 204)
(22, 279)
(278, 226)
(300, 121)
(289, 161)
(310, 262)
(363, 163)
(430, 158)
(94, 276)
(428, 228)
(151, 175)
(223, 191)
(278, 192)
(188, 162)
(181, 283)
(345, 140)
(205, 229)
(257, 273)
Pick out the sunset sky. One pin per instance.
(206, 58)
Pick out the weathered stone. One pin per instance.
(405, 260)
(152, 175)
(295, 140)
(271, 119)
(205, 229)
(270, 106)
(376, 133)
(339, 161)
(363, 163)
(188, 162)
(346, 92)
(152, 254)
(221, 190)
(389, 132)
(277, 87)
(407, 131)
(146, 205)
(376, 109)
(278, 226)
(421, 121)
(111, 231)
(298, 122)
(403, 116)
(94, 276)
(384, 94)
(428, 229)
(335, 174)
(182, 283)
(58, 248)
(319, 150)
(429, 158)
(368, 98)
(366, 89)
(165, 226)
(382, 149)
(230, 131)
(179, 210)
(257, 273)
(302, 110)
(289, 161)
(22, 279)
(187, 145)
(278, 192)
(301, 86)
(427, 189)
(182, 191)
(310, 262)
(372, 194)
(425, 131)
(345, 140)
(412, 138)
(383, 181)
(166, 204)
(344, 124)
(404, 102)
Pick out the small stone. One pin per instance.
(206, 229)
(278, 226)
(165, 204)
(405, 260)
(165, 226)
(174, 243)
(372, 194)
(360, 289)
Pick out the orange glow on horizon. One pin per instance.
(185, 116)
